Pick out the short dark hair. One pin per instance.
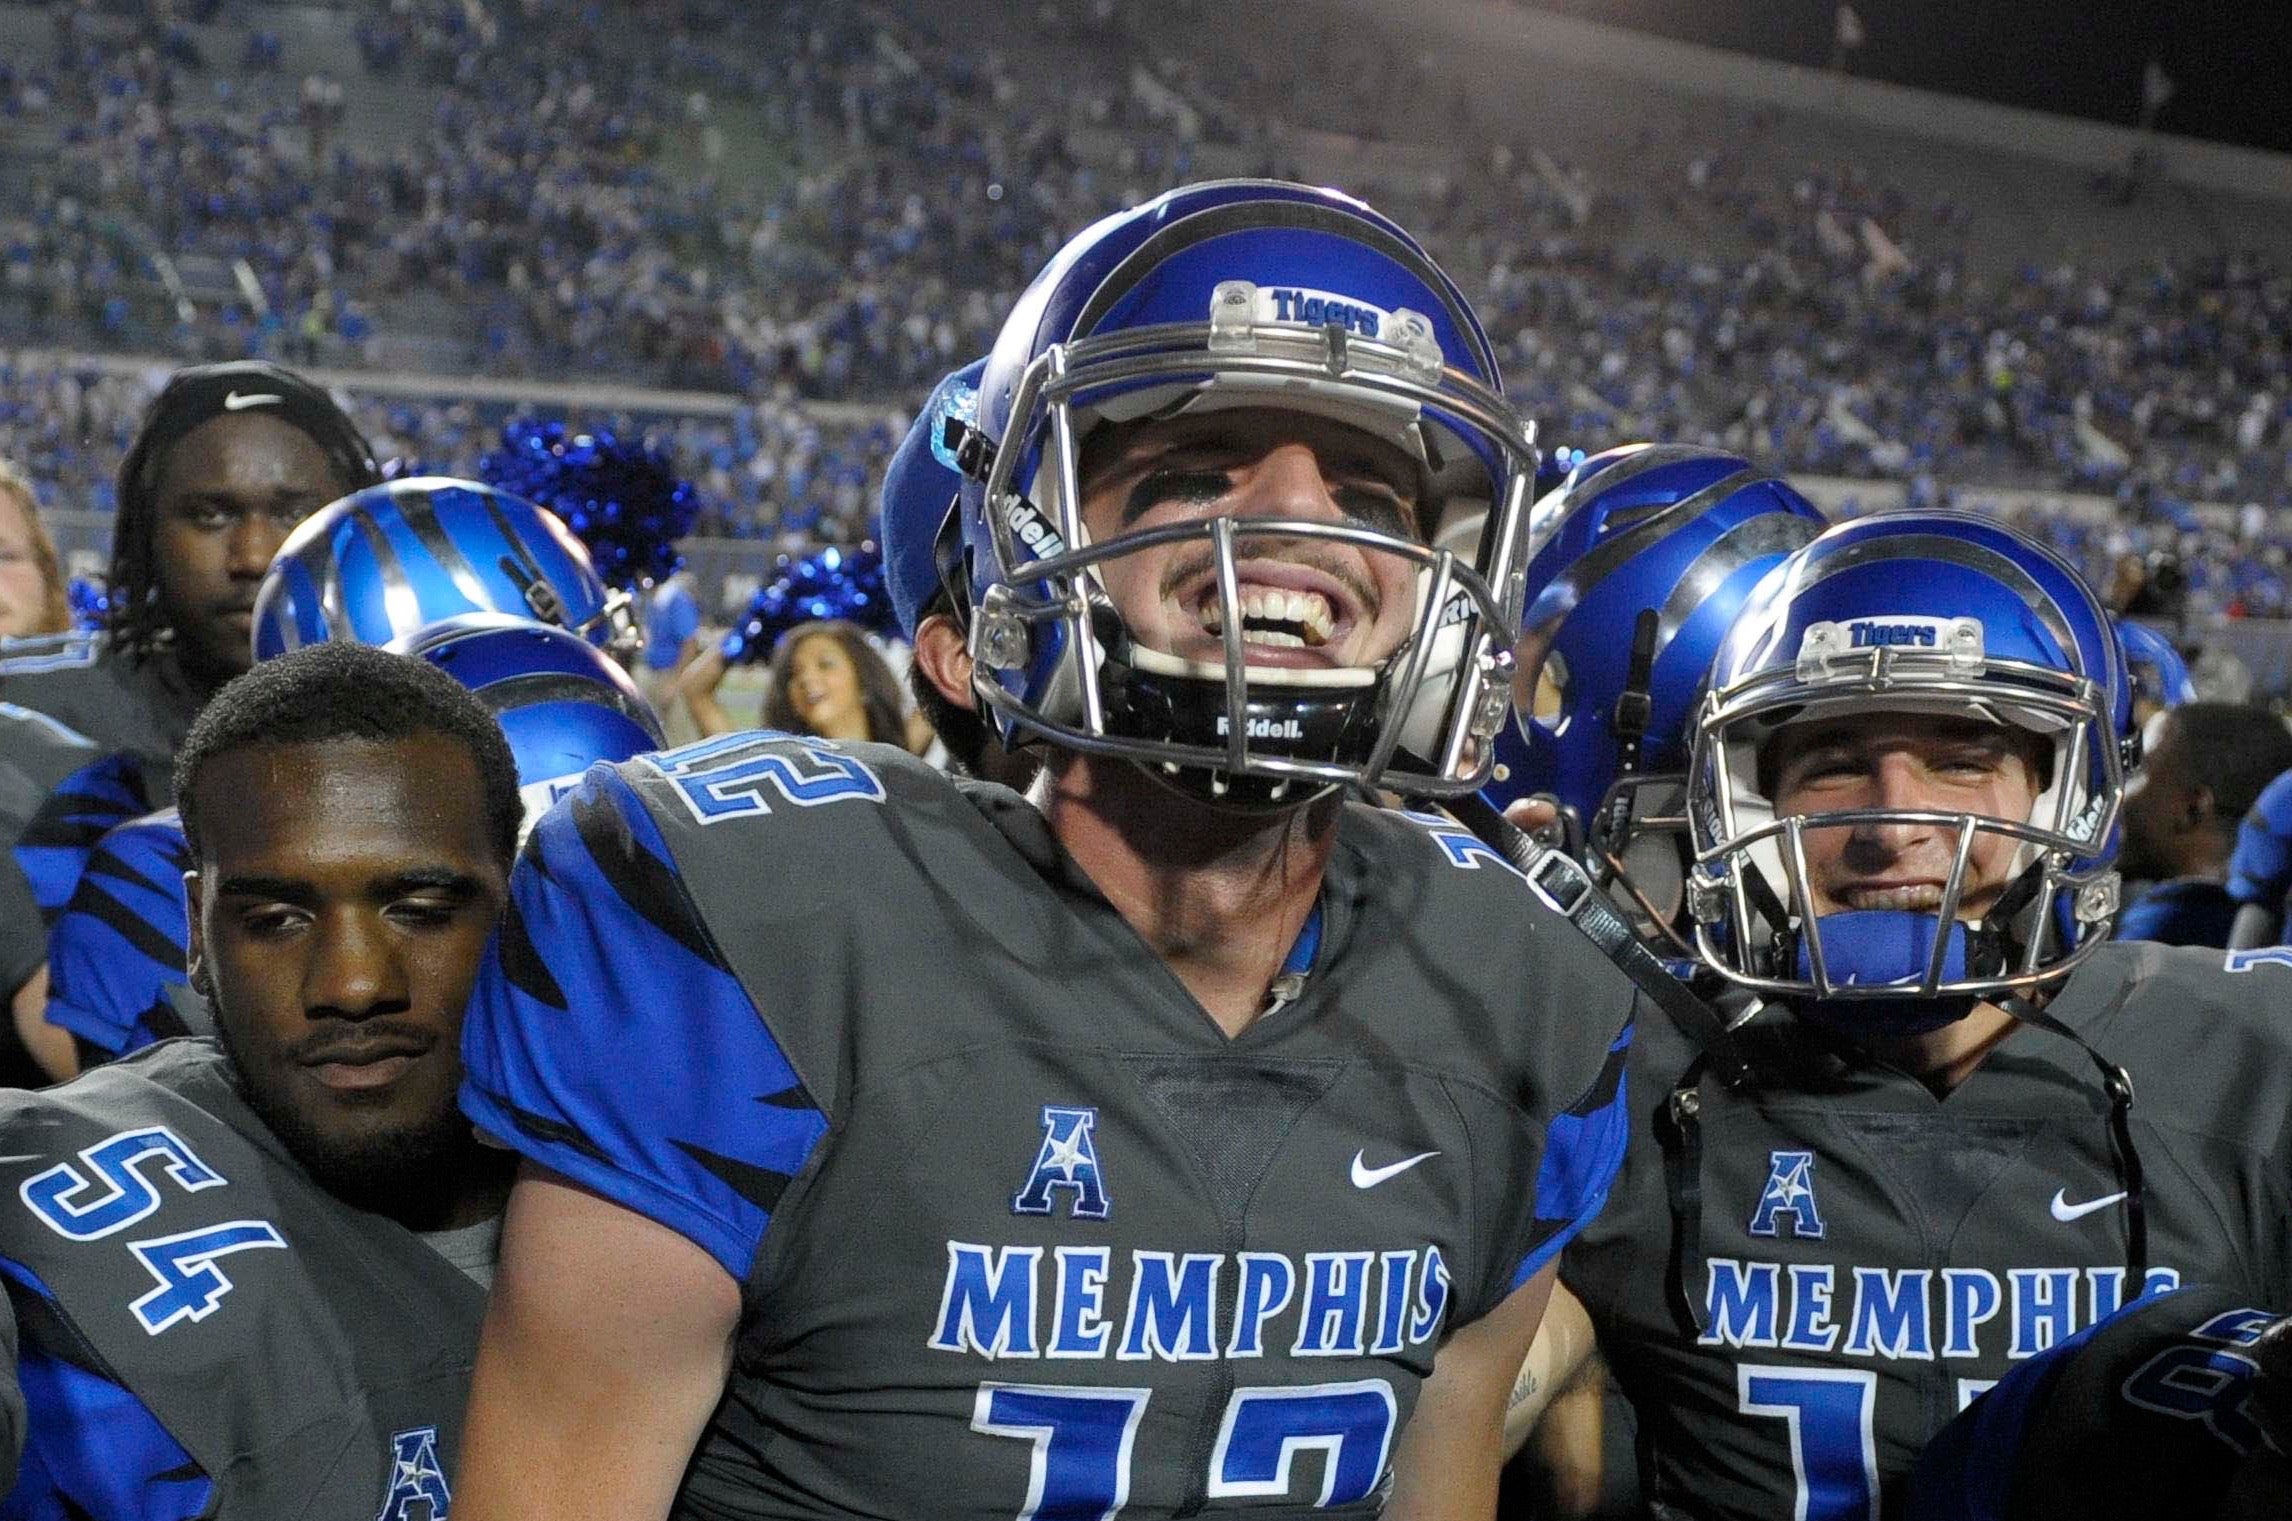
(342, 691)
(2232, 750)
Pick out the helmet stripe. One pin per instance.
(420, 512)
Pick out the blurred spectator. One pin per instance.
(826, 679)
(2204, 768)
(33, 595)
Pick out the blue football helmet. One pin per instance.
(1942, 614)
(2158, 672)
(920, 545)
(1679, 535)
(563, 703)
(1258, 296)
(381, 563)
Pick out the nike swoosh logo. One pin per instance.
(1365, 1176)
(235, 401)
(2064, 1211)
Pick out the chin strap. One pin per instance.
(1561, 881)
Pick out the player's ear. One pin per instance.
(946, 659)
(195, 961)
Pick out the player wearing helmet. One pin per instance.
(1643, 558)
(1201, 1140)
(1903, 793)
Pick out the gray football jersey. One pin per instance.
(36, 752)
(203, 1331)
(1801, 1282)
(144, 706)
(1020, 1229)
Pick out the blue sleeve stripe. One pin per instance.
(630, 854)
(1583, 1151)
(733, 1247)
(606, 1042)
(91, 1447)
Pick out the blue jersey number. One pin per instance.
(741, 774)
(2211, 1383)
(1834, 1450)
(1083, 1437)
(114, 1185)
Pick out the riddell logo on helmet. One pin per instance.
(1028, 527)
(1263, 728)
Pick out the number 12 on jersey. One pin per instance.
(1083, 1438)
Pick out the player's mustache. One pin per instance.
(360, 1041)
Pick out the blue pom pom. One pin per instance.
(620, 497)
(832, 583)
(90, 603)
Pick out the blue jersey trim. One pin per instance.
(122, 941)
(91, 1447)
(607, 1040)
(1583, 1152)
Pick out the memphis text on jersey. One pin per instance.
(1896, 1312)
(1009, 1301)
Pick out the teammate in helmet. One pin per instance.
(1286, 1100)
(1903, 793)
(248, 1270)
(379, 565)
(117, 954)
(930, 590)
(1642, 559)
(2160, 676)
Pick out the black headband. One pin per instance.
(197, 396)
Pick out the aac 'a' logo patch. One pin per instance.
(1067, 1161)
(417, 1478)
(1789, 1195)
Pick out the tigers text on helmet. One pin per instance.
(563, 704)
(383, 562)
(1672, 535)
(1967, 629)
(1306, 638)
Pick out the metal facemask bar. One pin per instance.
(1607, 852)
(1729, 889)
(1058, 589)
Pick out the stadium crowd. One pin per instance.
(582, 218)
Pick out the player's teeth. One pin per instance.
(1276, 637)
(1319, 622)
(1919, 896)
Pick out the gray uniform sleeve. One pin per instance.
(11, 1399)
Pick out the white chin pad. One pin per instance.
(1329, 678)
